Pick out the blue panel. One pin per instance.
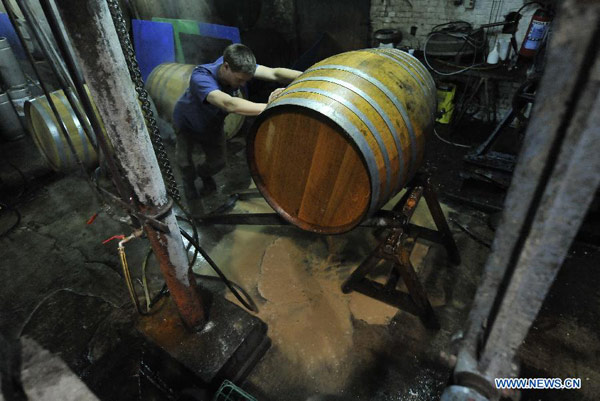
(7, 31)
(219, 31)
(153, 43)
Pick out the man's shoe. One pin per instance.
(209, 186)
(189, 189)
(196, 207)
(188, 176)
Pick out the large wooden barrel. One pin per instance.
(343, 138)
(44, 128)
(167, 82)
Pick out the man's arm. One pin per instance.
(281, 75)
(233, 104)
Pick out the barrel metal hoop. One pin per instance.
(429, 79)
(424, 82)
(419, 67)
(418, 63)
(82, 136)
(393, 99)
(57, 138)
(351, 130)
(418, 79)
(377, 108)
(425, 73)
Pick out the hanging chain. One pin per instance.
(136, 77)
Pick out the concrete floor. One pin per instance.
(64, 289)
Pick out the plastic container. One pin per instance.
(445, 96)
(230, 392)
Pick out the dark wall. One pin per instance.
(346, 21)
(279, 31)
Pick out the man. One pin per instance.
(200, 112)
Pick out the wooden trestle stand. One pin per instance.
(397, 247)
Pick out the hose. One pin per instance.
(460, 145)
(248, 302)
(193, 240)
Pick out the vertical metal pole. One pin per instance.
(98, 51)
(88, 108)
(63, 129)
(563, 207)
(554, 182)
(58, 68)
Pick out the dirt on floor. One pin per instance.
(64, 288)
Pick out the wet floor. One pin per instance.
(63, 289)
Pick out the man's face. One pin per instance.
(234, 79)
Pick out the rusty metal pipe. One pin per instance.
(553, 184)
(100, 57)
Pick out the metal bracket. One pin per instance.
(396, 248)
(153, 220)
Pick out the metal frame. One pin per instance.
(554, 182)
(396, 248)
(100, 55)
(483, 155)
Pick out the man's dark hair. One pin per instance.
(240, 58)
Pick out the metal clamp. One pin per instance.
(153, 220)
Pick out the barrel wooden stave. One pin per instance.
(304, 183)
(370, 105)
(313, 169)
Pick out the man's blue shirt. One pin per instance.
(192, 111)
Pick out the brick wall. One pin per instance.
(426, 14)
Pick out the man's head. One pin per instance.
(239, 65)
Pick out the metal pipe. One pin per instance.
(562, 207)
(44, 42)
(59, 70)
(554, 181)
(78, 81)
(63, 129)
(98, 51)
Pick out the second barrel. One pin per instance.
(167, 82)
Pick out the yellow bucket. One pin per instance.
(445, 96)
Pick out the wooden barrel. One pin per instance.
(167, 82)
(48, 137)
(343, 138)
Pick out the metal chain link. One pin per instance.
(136, 77)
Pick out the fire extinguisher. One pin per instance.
(536, 33)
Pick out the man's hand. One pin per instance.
(275, 94)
